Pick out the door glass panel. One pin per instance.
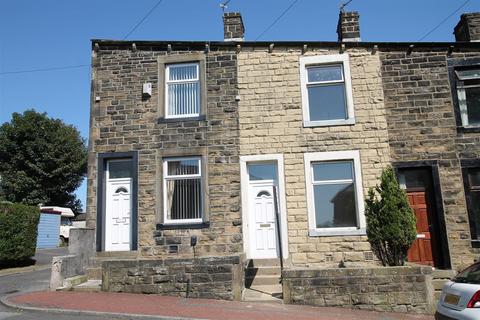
(335, 205)
(263, 193)
(262, 171)
(415, 178)
(120, 169)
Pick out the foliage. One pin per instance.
(391, 223)
(43, 161)
(18, 233)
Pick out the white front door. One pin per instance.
(118, 206)
(262, 224)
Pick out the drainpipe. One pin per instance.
(279, 233)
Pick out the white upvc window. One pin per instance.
(334, 193)
(182, 190)
(182, 87)
(326, 86)
(468, 93)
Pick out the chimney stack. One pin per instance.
(233, 29)
(468, 28)
(348, 28)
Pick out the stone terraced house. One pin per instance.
(211, 161)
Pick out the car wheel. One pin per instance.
(63, 241)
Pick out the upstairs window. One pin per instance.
(182, 98)
(468, 93)
(182, 190)
(326, 90)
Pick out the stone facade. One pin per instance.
(210, 278)
(270, 115)
(122, 119)
(398, 289)
(422, 127)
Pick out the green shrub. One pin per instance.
(391, 223)
(18, 233)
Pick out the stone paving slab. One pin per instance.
(173, 307)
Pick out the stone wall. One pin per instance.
(422, 126)
(270, 114)
(122, 120)
(399, 289)
(211, 277)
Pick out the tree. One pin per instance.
(391, 223)
(43, 160)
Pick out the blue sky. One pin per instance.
(40, 34)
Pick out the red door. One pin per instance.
(421, 249)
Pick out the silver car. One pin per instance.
(460, 299)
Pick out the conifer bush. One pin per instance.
(391, 223)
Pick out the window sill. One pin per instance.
(329, 123)
(337, 232)
(468, 129)
(169, 120)
(175, 226)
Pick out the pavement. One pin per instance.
(164, 307)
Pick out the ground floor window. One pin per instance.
(334, 193)
(182, 190)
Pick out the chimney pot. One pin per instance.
(233, 29)
(468, 28)
(348, 28)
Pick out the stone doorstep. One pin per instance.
(110, 255)
(255, 263)
(260, 271)
(259, 280)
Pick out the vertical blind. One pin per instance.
(183, 189)
(183, 90)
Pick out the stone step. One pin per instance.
(443, 274)
(94, 273)
(260, 271)
(254, 263)
(116, 255)
(251, 295)
(268, 293)
(89, 286)
(261, 280)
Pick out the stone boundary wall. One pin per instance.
(210, 277)
(397, 289)
(81, 249)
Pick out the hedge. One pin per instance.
(18, 233)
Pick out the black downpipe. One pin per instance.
(279, 233)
